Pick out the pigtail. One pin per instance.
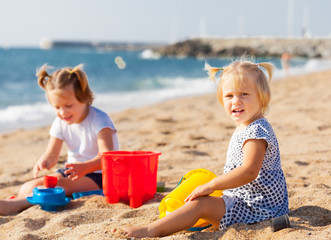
(42, 75)
(81, 76)
(64, 77)
(268, 67)
(82, 90)
(211, 71)
(264, 86)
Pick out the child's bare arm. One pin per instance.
(50, 157)
(254, 150)
(105, 144)
(105, 140)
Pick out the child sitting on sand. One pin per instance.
(253, 181)
(86, 130)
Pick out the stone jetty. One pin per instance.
(257, 46)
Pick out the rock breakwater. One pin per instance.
(259, 47)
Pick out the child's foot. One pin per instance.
(138, 232)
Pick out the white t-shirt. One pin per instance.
(81, 138)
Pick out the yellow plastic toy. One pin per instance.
(186, 185)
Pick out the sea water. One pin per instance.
(119, 79)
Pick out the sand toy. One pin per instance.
(186, 185)
(129, 176)
(76, 195)
(49, 196)
(280, 222)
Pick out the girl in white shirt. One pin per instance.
(86, 130)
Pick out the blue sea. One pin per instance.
(143, 78)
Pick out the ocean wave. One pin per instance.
(159, 89)
(25, 116)
(149, 54)
(41, 114)
(302, 66)
(173, 88)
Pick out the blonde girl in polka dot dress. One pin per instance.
(253, 181)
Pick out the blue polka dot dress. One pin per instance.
(265, 197)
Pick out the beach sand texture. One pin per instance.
(191, 133)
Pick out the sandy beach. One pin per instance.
(190, 133)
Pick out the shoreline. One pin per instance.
(191, 132)
(31, 114)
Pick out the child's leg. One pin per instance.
(70, 186)
(10, 206)
(212, 209)
(27, 188)
(20, 203)
(80, 185)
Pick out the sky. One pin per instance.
(24, 23)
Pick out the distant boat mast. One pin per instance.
(290, 16)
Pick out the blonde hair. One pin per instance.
(64, 77)
(242, 70)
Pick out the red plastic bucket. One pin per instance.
(129, 176)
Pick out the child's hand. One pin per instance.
(201, 190)
(50, 157)
(75, 171)
(40, 165)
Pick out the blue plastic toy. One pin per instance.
(87, 193)
(49, 198)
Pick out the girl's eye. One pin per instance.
(69, 106)
(244, 94)
(228, 95)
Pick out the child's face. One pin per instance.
(241, 102)
(66, 105)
